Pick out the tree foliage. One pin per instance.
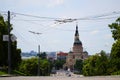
(96, 65)
(115, 51)
(30, 67)
(78, 66)
(59, 64)
(115, 29)
(99, 64)
(115, 57)
(43, 55)
(15, 53)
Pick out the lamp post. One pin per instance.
(38, 60)
(38, 52)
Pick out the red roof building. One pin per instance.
(61, 55)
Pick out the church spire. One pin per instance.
(76, 32)
(76, 39)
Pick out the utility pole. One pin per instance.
(9, 45)
(38, 60)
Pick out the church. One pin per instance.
(76, 53)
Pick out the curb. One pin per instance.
(7, 75)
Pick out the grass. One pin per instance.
(18, 73)
(2, 73)
(14, 72)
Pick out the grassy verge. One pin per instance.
(2, 73)
(15, 72)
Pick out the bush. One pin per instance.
(2, 73)
(116, 73)
(29, 67)
(96, 65)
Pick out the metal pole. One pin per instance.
(9, 45)
(38, 53)
(38, 60)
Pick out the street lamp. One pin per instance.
(38, 52)
(38, 60)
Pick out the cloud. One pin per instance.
(94, 32)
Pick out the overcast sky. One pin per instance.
(94, 34)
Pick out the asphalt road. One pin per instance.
(61, 78)
(60, 75)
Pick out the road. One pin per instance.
(61, 75)
(61, 78)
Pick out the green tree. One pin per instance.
(115, 29)
(59, 64)
(43, 55)
(30, 67)
(79, 65)
(3, 45)
(102, 64)
(115, 57)
(96, 65)
(15, 53)
(45, 67)
(115, 51)
(87, 67)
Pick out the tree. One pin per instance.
(87, 67)
(30, 67)
(96, 65)
(15, 53)
(43, 55)
(115, 51)
(115, 57)
(59, 64)
(79, 65)
(3, 45)
(45, 67)
(102, 63)
(115, 29)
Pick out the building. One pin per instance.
(51, 56)
(76, 53)
(61, 55)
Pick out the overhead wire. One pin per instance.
(24, 40)
(84, 18)
(44, 27)
(35, 16)
(99, 16)
(47, 27)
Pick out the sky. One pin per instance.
(94, 34)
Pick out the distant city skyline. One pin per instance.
(94, 34)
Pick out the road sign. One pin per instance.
(5, 37)
(13, 38)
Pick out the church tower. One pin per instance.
(76, 53)
(77, 45)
